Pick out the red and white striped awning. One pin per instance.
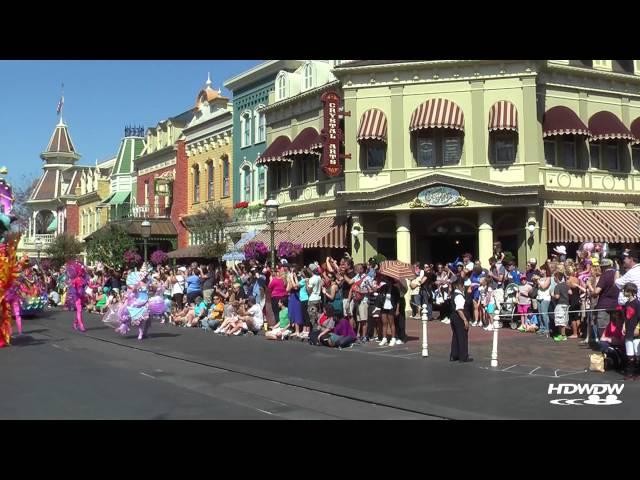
(592, 225)
(635, 130)
(503, 116)
(373, 125)
(326, 232)
(274, 152)
(607, 126)
(437, 113)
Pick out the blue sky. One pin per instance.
(101, 98)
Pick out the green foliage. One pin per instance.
(64, 248)
(109, 245)
(208, 226)
(214, 249)
(379, 258)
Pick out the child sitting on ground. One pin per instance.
(101, 300)
(326, 324)
(214, 319)
(281, 331)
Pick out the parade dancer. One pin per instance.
(8, 275)
(77, 281)
(135, 309)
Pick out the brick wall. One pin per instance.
(180, 192)
(73, 220)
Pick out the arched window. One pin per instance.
(210, 180)
(245, 128)
(245, 192)
(262, 185)
(437, 128)
(196, 184)
(281, 87)
(308, 76)
(261, 129)
(503, 133)
(225, 176)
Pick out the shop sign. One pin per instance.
(332, 134)
(439, 197)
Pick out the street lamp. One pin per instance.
(145, 231)
(272, 216)
(38, 248)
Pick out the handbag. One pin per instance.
(597, 361)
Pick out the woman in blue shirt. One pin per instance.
(194, 286)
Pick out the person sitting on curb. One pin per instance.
(281, 331)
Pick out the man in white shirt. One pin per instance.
(314, 287)
(254, 321)
(631, 265)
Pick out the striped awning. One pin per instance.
(635, 130)
(562, 121)
(575, 225)
(308, 141)
(607, 126)
(373, 125)
(324, 232)
(437, 113)
(273, 153)
(503, 116)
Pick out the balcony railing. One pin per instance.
(44, 238)
(142, 211)
(312, 191)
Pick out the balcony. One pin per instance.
(309, 193)
(44, 238)
(591, 180)
(142, 211)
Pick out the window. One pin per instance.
(210, 180)
(602, 64)
(503, 147)
(245, 126)
(245, 193)
(606, 155)
(225, 176)
(146, 192)
(307, 167)
(280, 178)
(261, 182)
(261, 130)
(196, 184)
(282, 87)
(374, 154)
(438, 148)
(562, 151)
(308, 76)
(635, 156)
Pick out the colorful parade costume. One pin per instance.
(28, 295)
(134, 311)
(9, 271)
(77, 281)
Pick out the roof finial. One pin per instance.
(208, 79)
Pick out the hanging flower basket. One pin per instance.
(289, 250)
(159, 257)
(132, 258)
(255, 251)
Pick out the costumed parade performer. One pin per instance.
(134, 310)
(28, 295)
(9, 268)
(77, 281)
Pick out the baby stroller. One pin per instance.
(508, 307)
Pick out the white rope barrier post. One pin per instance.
(494, 350)
(425, 343)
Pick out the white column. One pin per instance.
(403, 237)
(34, 224)
(485, 236)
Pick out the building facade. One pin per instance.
(93, 190)
(251, 92)
(449, 156)
(310, 213)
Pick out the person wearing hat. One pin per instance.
(459, 325)
(532, 269)
(177, 281)
(314, 288)
(560, 252)
(631, 264)
(607, 293)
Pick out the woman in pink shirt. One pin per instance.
(278, 289)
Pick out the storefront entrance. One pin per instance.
(439, 239)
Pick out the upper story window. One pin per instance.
(308, 76)
(262, 182)
(606, 155)
(372, 137)
(261, 128)
(435, 147)
(245, 128)
(225, 176)
(196, 184)
(635, 156)
(503, 147)
(210, 180)
(281, 86)
(562, 151)
(146, 192)
(373, 153)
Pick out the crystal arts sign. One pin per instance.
(332, 134)
(439, 197)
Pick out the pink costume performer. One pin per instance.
(134, 310)
(77, 281)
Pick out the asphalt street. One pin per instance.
(53, 372)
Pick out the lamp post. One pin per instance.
(38, 248)
(272, 216)
(145, 228)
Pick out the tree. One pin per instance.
(109, 245)
(21, 193)
(64, 248)
(208, 228)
